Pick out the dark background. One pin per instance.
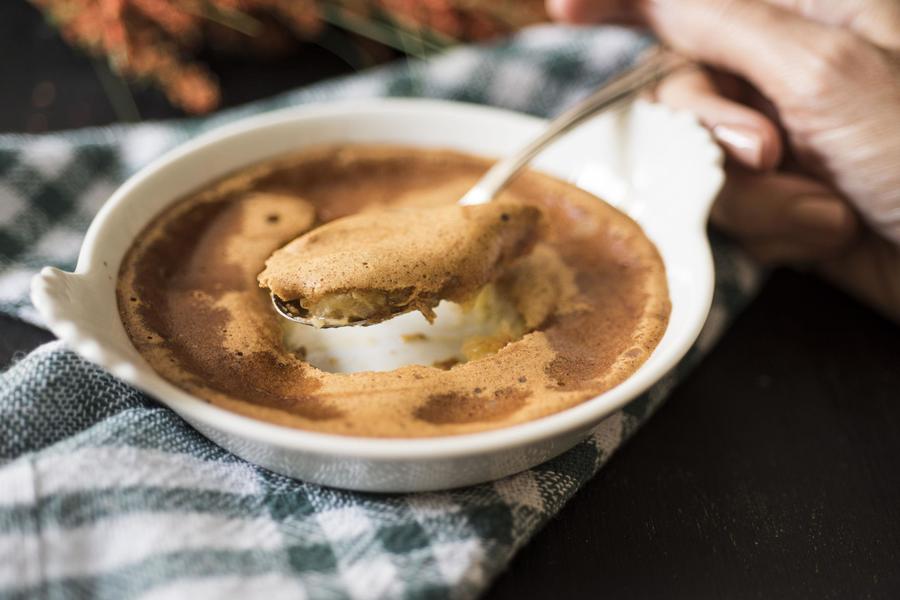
(773, 471)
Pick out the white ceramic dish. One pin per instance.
(658, 166)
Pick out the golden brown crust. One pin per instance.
(385, 262)
(191, 304)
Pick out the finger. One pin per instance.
(876, 20)
(778, 50)
(784, 217)
(747, 136)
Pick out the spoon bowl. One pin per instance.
(290, 311)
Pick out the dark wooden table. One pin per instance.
(771, 472)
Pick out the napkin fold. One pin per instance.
(106, 494)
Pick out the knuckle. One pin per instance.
(827, 61)
(841, 50)
(840, 236)
(846, 231)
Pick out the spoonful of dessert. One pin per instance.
(371, 266)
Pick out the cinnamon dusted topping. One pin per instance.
(574, 317)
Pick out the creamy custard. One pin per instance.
(590, 299)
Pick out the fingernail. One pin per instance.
(743, 142)
(819, 215)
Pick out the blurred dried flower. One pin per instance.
(154, 40)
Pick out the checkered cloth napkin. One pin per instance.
(106, 494)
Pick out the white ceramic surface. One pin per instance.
(657, 165)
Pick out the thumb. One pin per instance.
(775, 49)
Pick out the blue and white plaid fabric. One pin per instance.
(106, 494)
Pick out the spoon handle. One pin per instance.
(649, 69)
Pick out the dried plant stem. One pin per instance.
(155, 40)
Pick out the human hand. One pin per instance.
(805, 99)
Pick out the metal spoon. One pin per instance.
(656, 64)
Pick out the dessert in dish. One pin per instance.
(574, 302)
